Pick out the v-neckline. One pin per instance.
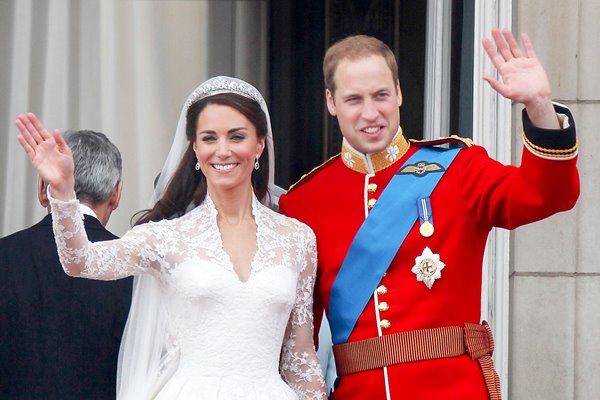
(224, 252)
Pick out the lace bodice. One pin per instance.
(246, 333)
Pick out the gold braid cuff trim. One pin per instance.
(552, 153)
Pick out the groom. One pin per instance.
(401, 226)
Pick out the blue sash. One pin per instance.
(381, 235)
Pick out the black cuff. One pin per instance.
(551, 143)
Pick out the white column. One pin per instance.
(492, 129)
(437, 64)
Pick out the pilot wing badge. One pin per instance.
(420, 168)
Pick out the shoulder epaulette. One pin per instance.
(454, 139)
(306, 177)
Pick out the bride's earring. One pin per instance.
(256, 164)
(197, 167)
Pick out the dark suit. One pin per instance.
(59, 336)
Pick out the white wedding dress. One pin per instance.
(230, 339)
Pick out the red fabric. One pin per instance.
(475, 194)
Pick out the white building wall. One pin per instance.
(555, 273)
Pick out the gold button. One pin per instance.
(372, 202)
(385, 324)
(371, 187)
(383, 306)
(381, 290)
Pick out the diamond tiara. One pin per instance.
(222, 84)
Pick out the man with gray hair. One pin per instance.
(60, 336)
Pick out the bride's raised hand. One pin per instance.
(49, 155)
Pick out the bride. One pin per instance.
(222, 304)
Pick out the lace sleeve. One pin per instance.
(299, 365)
(136, 252)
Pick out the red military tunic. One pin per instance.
(475, 194)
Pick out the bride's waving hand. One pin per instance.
(49, 155)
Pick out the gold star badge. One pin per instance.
(428, 267)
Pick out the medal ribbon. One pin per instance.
(424, 207)
(380, 236)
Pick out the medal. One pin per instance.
(428, 267)
(426, 229)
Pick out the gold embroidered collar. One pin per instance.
(371, 163)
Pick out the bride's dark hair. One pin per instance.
(188, 186)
